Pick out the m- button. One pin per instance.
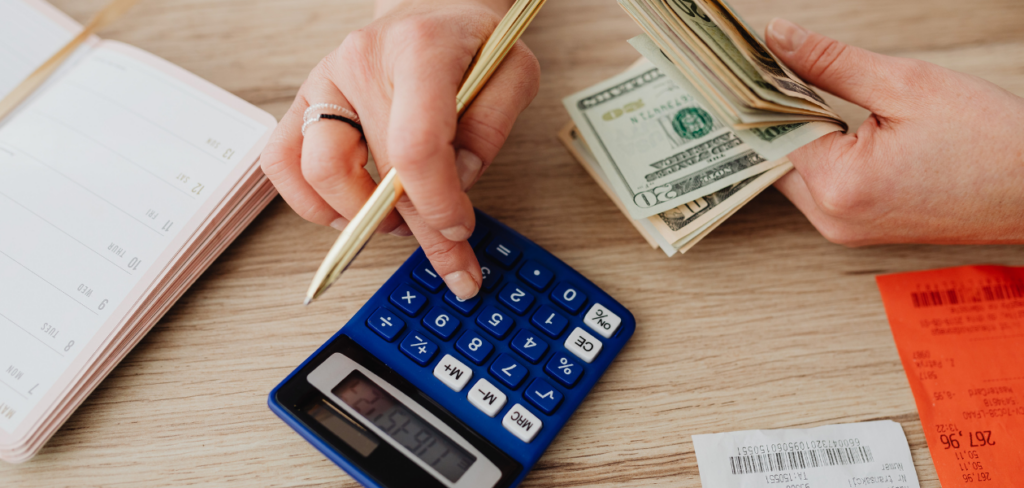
(521, 423)
(583, 345)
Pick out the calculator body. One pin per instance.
(420, 389)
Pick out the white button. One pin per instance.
(522, 423)
(453, 373)
(488, 398)
(582, 344)
(602, 320)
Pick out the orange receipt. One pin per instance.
(960, 334)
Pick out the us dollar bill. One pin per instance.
(656, 144)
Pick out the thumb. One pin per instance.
(857, 75)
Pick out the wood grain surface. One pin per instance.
(762, 325)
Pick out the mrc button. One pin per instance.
(583, 345)
(521, 423)
(602, 320)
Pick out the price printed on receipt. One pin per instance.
(960, 335)
(421, 389)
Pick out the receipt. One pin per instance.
(960, 334)
(867, 454)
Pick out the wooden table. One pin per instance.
(763, 325)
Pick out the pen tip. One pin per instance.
(308, 301)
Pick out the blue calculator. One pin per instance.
(421, 389)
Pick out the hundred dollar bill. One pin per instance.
(657, 145)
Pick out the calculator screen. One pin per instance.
(404, 426)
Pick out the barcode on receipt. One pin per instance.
(786, 461)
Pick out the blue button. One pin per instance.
(474, 347)
(543, 396)
(426, 276)
(494, 321)
(549, 321)
(408, 299)
(516, 298)
(564, 369)
(536, 275)
(479, 233)
(529, 345)
(568, 297)
(385, 323)
(463, 307)
(491, 276)
(508, 371)
(418, 348)
(441, 322)
(505, 253)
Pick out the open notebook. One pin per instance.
(121, 180)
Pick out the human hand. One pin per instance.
(400, 75)
(940, 160)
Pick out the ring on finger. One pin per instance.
(320, 111)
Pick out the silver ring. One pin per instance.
(315, 112)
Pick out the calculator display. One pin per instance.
(404, 426)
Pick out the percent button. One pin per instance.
(564, 369)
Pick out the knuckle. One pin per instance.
(841, 201)
(488, 126)
(321, 171)
(419, 29)
(824, 58)
(529, 71)
(442, 253)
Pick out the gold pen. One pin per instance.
(383, 200)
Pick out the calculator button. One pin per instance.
(508, 371)
(474, 347)
(465, 307)
(418, 348)
(602, 320)
(506, 254)
(549, 321)
(529, 345)
(479, 234)
(487, 397)
(564, 369)
(408, 299)
(494, 321)
(453, 373)
(536, 275)
(385, 323)
(568, 297)
(491, 277)
(543, 396)
(521, 423)
(583, 344)
(516, 298)
(441, 322)
(426, 276)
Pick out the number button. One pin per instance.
(474, 347)
(487, 397)
(408, 299)
(494, 321)
(536, 275)
(441, 322)
(543, 396)
(491, 277)
(385, 323)
(515, 298)
(568, 297)
(508, 371)
(418, 349)
(453, 373)
(465, 307)
(521, 423)
(549, 321)
(583, 345)
(426, 276)
(564, 369)
(528, 345)
(506, 254)
(602, 320)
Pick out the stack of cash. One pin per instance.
(684, 138)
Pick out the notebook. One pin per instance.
(121, 180)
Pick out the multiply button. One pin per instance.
(564, 369)
(521, 423)
(408, 299)
(583, 344)
(543, 396)
(602, 320)
(418, 349)
(487, 397)
(385, 324)
(453, 373)
(505, 254)
(515, 298)
(568, 297)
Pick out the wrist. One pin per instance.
(384, 6)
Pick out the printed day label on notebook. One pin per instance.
(872, 454)
(960, 335)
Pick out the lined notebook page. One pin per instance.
(28, 37)
(103, 174)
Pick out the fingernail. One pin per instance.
(456, 233)
(462, 284)
(788, 36)
(402, 231)
(339, 223)
(468, 166)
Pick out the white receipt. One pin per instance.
(866, 454)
